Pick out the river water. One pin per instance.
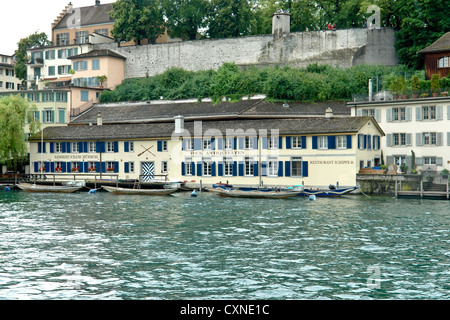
(104, 246)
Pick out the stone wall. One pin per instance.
(342, 48)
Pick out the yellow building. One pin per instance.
(314, 151)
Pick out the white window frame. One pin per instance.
(74, 147)
(272, 167)
(248, 167)
(322, 142)
(296, 142)
(341, 142)
(299, 161)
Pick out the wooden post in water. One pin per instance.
(201, 186)
(421, 188)
(396, 189)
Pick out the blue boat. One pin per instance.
(327, 193)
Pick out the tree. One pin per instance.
(137, 20)
(229, 18)
(34, 40)
(15, 112)
(185, 17)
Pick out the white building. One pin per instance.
(8, 81)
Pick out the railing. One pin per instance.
(76, 112)
(55, 177)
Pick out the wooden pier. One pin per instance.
(430, 191)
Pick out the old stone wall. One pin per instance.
(342, 48)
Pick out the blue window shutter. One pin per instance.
(86, 167)
(264, 142)
(235, 143)
(63, 167)
(36, 167)
(52, 166)
(220, 169)
(263, 168)
(288, 143)
(68, 167)
(80, 147)
(349, 141)
(99, 167)
(68, 147)
(241, 168)
(331, 142)
(183, 169)
(47, 167)
(213, 144)
(280, 168)
(126, 146)
(39, 147)
(100, 147)
(314, 142)
(81, 167)
(255, 169)
(199, 169)
(116, 146)
(197, 144)
(303, 142)
(241, 143)
(127, 167)
(219, 144)
(213, 169)
(305, 168)
(234, 168)
(280, 142)
(45, 147)
(85, 147)
(103, 167)
(287, 168)
(52, 147)
(116, 167)
(255, 143)
(159, 148)
(365, 141)
(192, 164)
(63, 147)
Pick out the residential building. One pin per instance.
(416, 130)
(437, 57)
(238, 143)
(8, 81)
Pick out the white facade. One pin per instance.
(8, 81)
(415, 129)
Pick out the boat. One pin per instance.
(29, 187)
(254, 193)
(327, 193)
(148, 192)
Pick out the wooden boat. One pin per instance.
(327, 193)
(28, 187)
(253, 193)
(148, 192)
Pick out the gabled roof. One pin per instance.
(97, 54)
(91, 15)
(441, 44)
(298, 126)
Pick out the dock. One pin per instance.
(426, 191)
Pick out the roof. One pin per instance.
(441, 44)
(297, 126)
(97, 54)
(91, 15)
(158, 111)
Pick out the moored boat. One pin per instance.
(327, 193)
(148, 192)
(254, 193)
(28, 187)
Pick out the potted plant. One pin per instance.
(101, 80)
(444, 94)
(434, 82)
(404, 168)
(415, 86)
(445, 173)
(396, 86)
(92, 169)
(58, 169)
(424, 95)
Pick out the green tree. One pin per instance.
(34, 40)
(15, 113)
(185, 17)
(137, 20)
(229, 18)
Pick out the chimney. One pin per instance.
(328, 113)
(99, 119)
(179, 124)
(97, 3)
(281, 23)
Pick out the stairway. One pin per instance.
(435, 187)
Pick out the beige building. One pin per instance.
(8, 81)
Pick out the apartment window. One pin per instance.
(47, 96)
(229, 143)
(131, 146)
(164, 145)
(61, 96)
(51, 71)
(399, 114)
(48, 116)
(272, 167)
(110, 146)
(91, 147)
(429, 138)
(75, 166)
(443, 62)
(323, 142)
(92, 166)
(84, 95)
(248, 166)
(50, 55)
(62, 39)
(297, 142)
(399, 139)
(1, 82)
(95, 64)
(296, 166)
(74, 147)
(131, 167)
(58, 166)
(207, 144)
(429, 160)
(341, 142)
(228, 168)
(103, 32)
(188, 144)
(399, 160)
(110, 166)
(188, 166)
(58, 147)
(81, 37)
(164, 167)
(429, 113)
(248, 143)
(273, 142)
(207, 168)
(80, 65)
(63, 69)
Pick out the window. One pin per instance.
(207, 168)
(50, 55)
(47, 96)
(164, 167)
(429, 160)
(62, 39)
(103, 32)
(399, 114)
(51, 71)
(63, 69)
(91, 147)
(164, 145)
(188, 166)
(131, 167)
(248, 143)
(92, 166)
(10, 85)
(399, 160)
(272, 167)
(228, 168)
(188, 144)
(84, 95)
(444, 62)
(323, 142)
(61, 96)
(273, 142)
(74, 147)
(110, 146)
(341, 142)
(110, 166)
(58, 147)
(58, 166)
(248, 166)
(296, 163)
(229, 143)
(95, 64)
(75, 166)
(207, 144)
(429, 113)
(81, 37)
(131, 146)
(80, 65)
(296, 142)
(48, 116)
(429, 138)
(399, 139)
